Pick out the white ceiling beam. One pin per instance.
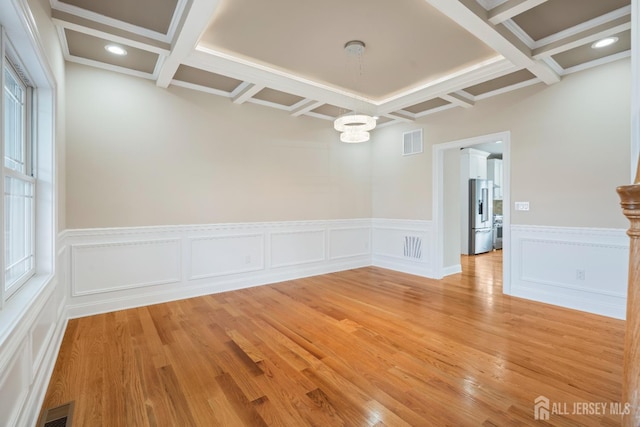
(435, 110)
(312, 105)
(245, 92)
(510, 9)
(584, 37)
(480, 73)
(459, 100)
(96, 29)
(401, 116)
(471, 16)
(227, 65)
(193, 25)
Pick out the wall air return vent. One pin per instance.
(412, 247)
(412, 142)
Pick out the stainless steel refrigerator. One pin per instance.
(480, 216)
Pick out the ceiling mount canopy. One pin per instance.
(354, 47)
(354, 127)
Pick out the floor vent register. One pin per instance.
(60, 416)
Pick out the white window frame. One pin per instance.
(24, 51)
(27, 152)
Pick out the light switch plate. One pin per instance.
(522, 206)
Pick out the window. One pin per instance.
(19, 183)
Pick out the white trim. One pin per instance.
(62, 25)
(125, 26)
(506, 89)
(435, 110)
(554, 65)
(319, 116)
(521, 34)
(511, 8)
(200, 88)
(585, 26)
(595, 63)
(452, 269)
(109, 67)
(193, 25)
(269, 104)
(465, 15)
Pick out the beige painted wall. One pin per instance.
(140, 155)
(570, 146)
(48, 37)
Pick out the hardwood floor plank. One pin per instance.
(361, 347)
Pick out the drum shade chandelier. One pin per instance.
(354, 127)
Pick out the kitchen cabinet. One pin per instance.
(495, 173)
(473, 164)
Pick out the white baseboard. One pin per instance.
(452, 269)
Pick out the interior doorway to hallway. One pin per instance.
(450, 211)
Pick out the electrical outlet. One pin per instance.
(522, 206)
(580, 274)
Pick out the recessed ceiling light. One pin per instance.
(115, 49)
(604, 42)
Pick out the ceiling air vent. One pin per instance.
(412, 142)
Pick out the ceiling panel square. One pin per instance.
(330, 110)
(585, 53)
(200, 77)
(93, 48)
(554, 16)
(277, 97)
(154, 15)
(500, 82)
(426, 105)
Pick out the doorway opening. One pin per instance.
(450, 235)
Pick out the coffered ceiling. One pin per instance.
(421, 56)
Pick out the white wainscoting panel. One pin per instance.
(349, 242)
(28, 353)
(105, 267)
(14, 385)
(580, 268)
(41, 334)
(297, 247)
(403, 245)
(213, 256)
(113, 269)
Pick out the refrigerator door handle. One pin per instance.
(485, 197)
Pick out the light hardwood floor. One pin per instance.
(361, 347)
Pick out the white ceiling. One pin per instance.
(421, 57)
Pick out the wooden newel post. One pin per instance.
(630, 201)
